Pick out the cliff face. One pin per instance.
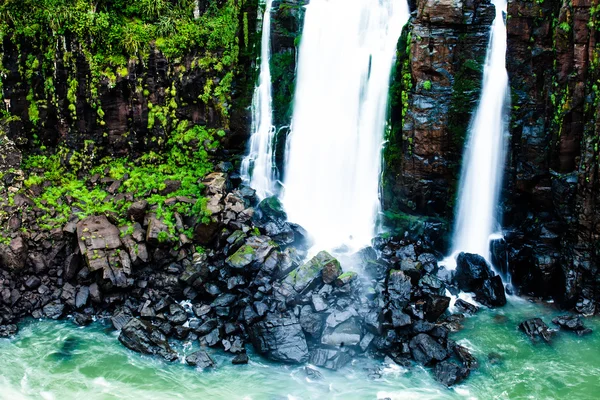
(437, 84)
(60, 91)
(551, 186)
(552, 195)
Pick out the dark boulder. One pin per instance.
(200, 359)
(425, 350)
(9, 330)
(435, 306)
(465, 307)
(330, 359)
(536, 328)
(449, 373)
(571, 323)
(240, 359)
(399, 289)
(313, 374)
(471, 271)
(465, 356)
(141, 336)
(308, 275)
(491, 293)
(280, 338)
(53, 310)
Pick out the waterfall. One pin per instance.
(257, 167)
(333, 163)
(485, 153)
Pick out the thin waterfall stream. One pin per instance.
(332, 170)
(257, 167)
(478, 216)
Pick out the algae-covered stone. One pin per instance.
(346, 278)
(307, 276)
(241, 258)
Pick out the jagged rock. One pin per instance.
(137, 210)
(14, 255)
(536, 328)
(307, 276)
(347, 333)
(82, 296)
(33, 282)
(330, 359)
(572, 323)
(9, 330)
(240, 359)
(399, 288)
(280, 338)
(331, 271)
(157, 232)
(435, 306)
(54, 309)
(449, 373)
(200, 359)
(144, 338)
(241, 258)
(177, 314)
(312, 323)
(120, 319)
(318, 303)
(425, 350)
(465, 307)
(491, 293)
(471, 271)
(465, 356)
(313, 374)
(98, 239)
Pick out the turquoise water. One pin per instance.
(58, 360)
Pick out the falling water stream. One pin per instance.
(485, 152)
(333, 164)
(257, 168)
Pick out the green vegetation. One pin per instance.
(427, 85)
(186, 160)
(99, 43)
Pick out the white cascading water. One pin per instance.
(257, 167)
(485, 153)
(333, 162)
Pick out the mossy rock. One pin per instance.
(307, 276)
(241, 258)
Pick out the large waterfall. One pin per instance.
(257, 167)
(485, 153)
(333, 162)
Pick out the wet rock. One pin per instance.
(120, 319)
(313, 374)
(449, 373)
(82, 297)
(465, 307)
(144, 338)
(33, 282)
(307, 276)
(491, 293)
(425, 350)
(312, 323)
(82, 319)
(280, 338)
(435, 306)
(243, 257)
(9, 330)
(330, 359)
(465, 356)
(212, 339)
(572, 323)
(318, 303)
(53, 310)
(347, 333)
(200, 359)
(471, 271)
(331, 271)
(240, 359)
(177, 314)
(399, 288)
(536, 328)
